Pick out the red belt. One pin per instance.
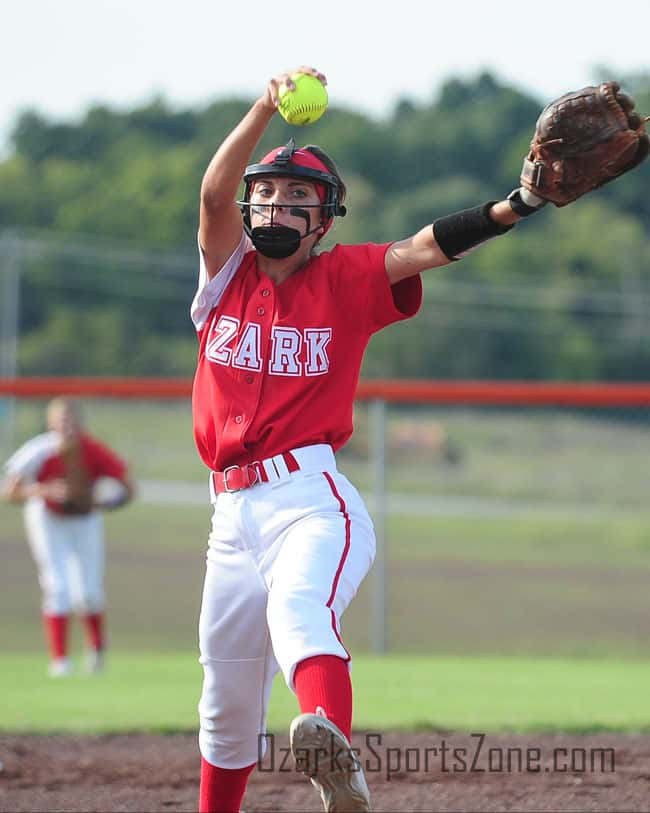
(236, 478)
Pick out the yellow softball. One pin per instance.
(304, 105)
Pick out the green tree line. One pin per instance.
(565, 295)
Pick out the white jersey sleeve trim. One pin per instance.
(27, 461)
(210, 291)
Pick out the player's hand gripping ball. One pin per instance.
(306, 103)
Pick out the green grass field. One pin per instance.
(533, 617)
(159, 692)
(532, 585)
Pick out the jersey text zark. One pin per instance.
(293, 352)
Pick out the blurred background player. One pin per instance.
(55, 475)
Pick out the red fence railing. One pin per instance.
(529, 393)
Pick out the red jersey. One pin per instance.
(40, 460)
(278, 365)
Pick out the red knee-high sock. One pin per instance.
(95, 630)
(324, 681)
(56, 631)
(222, 789)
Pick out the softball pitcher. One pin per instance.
(282, 331)
(54, 474)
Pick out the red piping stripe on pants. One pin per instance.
(344, 556)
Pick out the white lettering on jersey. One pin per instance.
(222, 334)
(286, 343)
(317, 339)
(287, 346)
(248, 353)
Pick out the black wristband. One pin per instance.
(457, 234)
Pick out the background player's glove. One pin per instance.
(78, 493)
(583, 140)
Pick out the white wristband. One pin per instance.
(530, 199)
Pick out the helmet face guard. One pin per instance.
(282, 167)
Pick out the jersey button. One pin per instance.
(239, 419)
(266, 292)
(261, 311)
(249, 379)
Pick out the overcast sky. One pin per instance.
(61, 56)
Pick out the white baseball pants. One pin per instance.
(285, 558)
(69, 555)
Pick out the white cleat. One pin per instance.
(95, 662)
(323, 753)
(59, 667)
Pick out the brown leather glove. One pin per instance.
(583, 140)
(79, 485)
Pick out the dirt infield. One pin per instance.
(436, 771)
